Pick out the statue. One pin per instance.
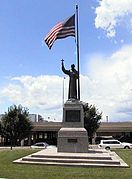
(73, 75)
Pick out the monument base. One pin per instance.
(73, 140)
(73, 137)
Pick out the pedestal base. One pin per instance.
(74, 140)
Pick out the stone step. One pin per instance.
(70, 164)
(94, 158)
(73, 157)
(68, 160)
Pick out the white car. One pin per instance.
(108, 144)
(39, 145)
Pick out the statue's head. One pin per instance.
(72, 66)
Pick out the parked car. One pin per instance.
(99, 138)
(108, 144)
(51, 146)
(125, 139)
(39, 145)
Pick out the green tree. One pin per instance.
(15, 124)
(92, 119)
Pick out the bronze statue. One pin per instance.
(73, 75)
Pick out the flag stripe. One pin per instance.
(52, 37)
(64, 36)
(61, 30)
(53, 34)
(54, 29)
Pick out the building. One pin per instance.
(48, 131)
(115, 129)
(33, 117)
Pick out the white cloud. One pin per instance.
(111, 13)
(108, 85)
(42, 92)
(111, 80)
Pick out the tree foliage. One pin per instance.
(15, 124)
(92, 119)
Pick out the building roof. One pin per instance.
(47, 126)
(115, 127)
(104, 127)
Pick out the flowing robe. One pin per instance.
(73, 76)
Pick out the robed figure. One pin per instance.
(73, 76)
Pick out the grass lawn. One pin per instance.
(23, 171)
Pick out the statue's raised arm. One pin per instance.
(73, 75)
(67, 72)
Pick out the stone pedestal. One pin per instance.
(72, 137)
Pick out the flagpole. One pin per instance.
(77, 41)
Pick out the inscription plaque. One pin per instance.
(73, 116)
(72, 140)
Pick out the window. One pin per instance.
(111, 142)
(115, 142)
(41, 144)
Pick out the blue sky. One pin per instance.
(31, 73)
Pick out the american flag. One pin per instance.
(61, 30)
